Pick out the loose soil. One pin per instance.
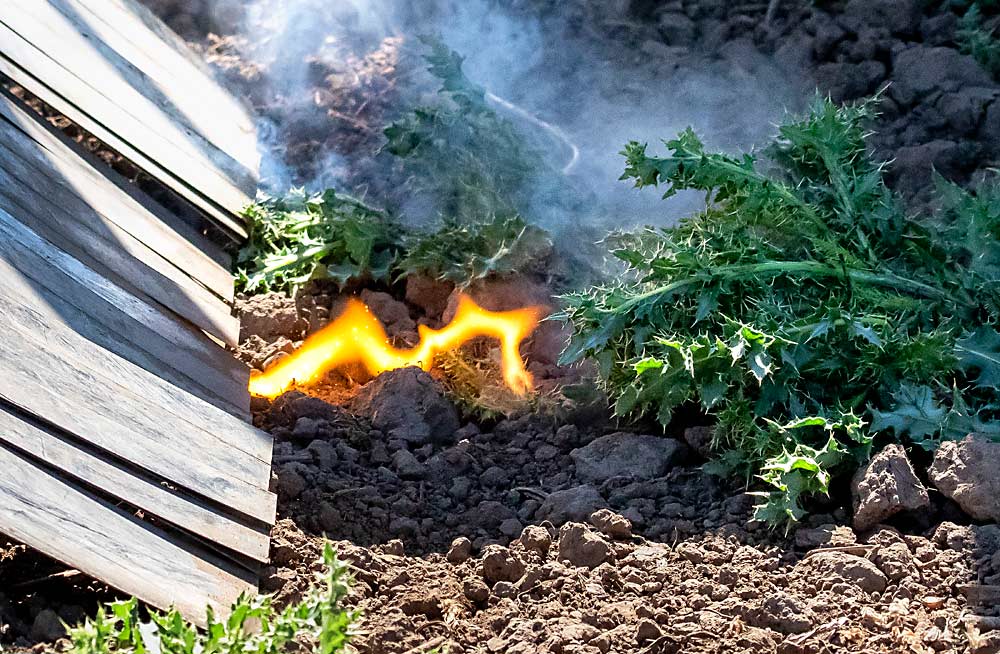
(535, 533)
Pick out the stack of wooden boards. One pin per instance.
(125, 448)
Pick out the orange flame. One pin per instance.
(356, 336)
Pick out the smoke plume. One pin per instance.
(579, 78)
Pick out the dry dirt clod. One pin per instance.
(408, 404)
(968, 472)
(536, 539)
(626, 455)
(460, 550)
(582, 547)
(886, 486)
(501, 564)
(476, 590)
(611, 524)
(576, 503)
(840, 566)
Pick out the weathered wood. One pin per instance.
(115, 200)
(213, 375)
(55, 211)
(59, 217)
(97, 80)
(114, 418)
(80, 286)
(227, 123)
(72, 525)
(223, 217)
(162, 405)
(153, 498)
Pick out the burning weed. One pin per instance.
(357, 337)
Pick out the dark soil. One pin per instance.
(536, 533)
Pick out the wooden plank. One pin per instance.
(176, 343)
(116, 200)
(224, 385)
(85, 205)
(214, 421)
(223, 217)
(215, 113)
(75, 527)
(117, 419)
(59, 217)
(95, 78)
(248, 439)
(153, 498)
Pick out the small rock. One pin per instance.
(647, 631)
(511, 527)
(536, 539)
(699, 439)
(611, 524)
(476, 590)
(393, 313)
(828, 535)
(571, 504)
(582, 547)
(394, 547)
(898, 16)
(460, 550)
(489, 514)
(968, 472)
(324, 453)
(494, 477)
(47, 626)
(501, 564)
(886, 486)
(329, 518)
(921, 70)
(428, 293)
(291, 483)
(846, 81)
(841, 566)
(305, 428)
(626, 455)
(406, 465)
(408, 404)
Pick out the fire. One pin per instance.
(356, 336)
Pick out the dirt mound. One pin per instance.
(721, 590)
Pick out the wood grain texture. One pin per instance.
(61, 49)
(71, 525)
(71, 261)
(153, 498)
(82, 204)
(60, 217)
(218, 379)
(226, 218)
(204, 104)
(116, 419)
(115, 391)
(114, 199)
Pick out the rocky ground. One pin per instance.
(562, 531)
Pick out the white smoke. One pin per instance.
(548, 77)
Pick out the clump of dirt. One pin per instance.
(571, 533)
(576, 588)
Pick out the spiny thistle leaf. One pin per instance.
(800, 298)
(980, 352)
